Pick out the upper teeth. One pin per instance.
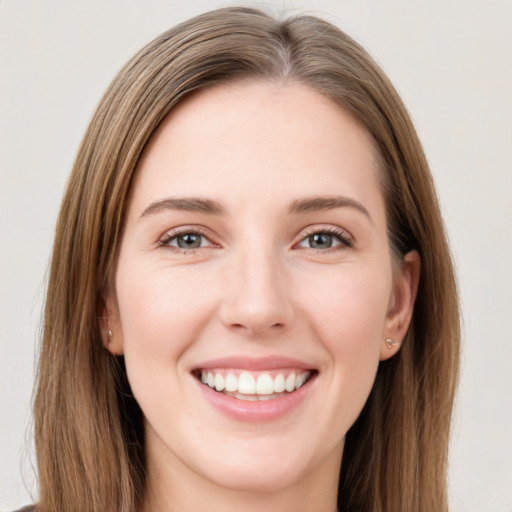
(248, 384)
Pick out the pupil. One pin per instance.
(320, 241)
(189, 241)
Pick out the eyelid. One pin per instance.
(344, 237)
(173, 233)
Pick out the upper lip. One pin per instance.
(253, 363)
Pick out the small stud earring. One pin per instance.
(109, 332)
(390, 343)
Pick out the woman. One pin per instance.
(251, 300)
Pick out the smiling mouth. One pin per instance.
(254, 386)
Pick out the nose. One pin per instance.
(257, 299)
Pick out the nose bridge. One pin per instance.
(256, 299)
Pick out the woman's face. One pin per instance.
(254, 288)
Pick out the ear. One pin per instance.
(401, 305)
(110, 326)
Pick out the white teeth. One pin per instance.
(249, 398)
(299, 380)
(264, 385)
(231, 383)
(249, 387)
(246, 384)
(279, 383)
(289, 384)
(219, 382)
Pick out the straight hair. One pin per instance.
(88, 428)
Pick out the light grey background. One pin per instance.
(451, 60)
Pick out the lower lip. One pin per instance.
(255, 411)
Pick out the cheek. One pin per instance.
(349, 317)
(157, 304)
(162, 312)
(350, 305)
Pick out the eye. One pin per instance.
(326, 239)
(185, 240)
(188, 241)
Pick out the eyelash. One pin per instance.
(175, 233)
(346, 241)
(341, 236)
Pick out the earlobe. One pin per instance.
(110, 328)
(402, 305)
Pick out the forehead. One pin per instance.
(247, 138)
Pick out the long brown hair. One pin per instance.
(88, 429)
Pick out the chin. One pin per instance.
(253, 478)
(268, 466)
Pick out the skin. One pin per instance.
(255, 287)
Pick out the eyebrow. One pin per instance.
(189, 204)
(319, 203)
(211, 207)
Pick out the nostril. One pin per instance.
(253, 329)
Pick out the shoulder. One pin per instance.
(28, 508)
